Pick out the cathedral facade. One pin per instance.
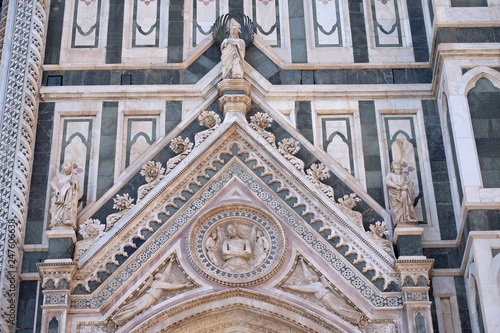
(250, 166)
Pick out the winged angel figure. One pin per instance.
(237, 250)
(150, 293)
(234, 36)
(323, 292)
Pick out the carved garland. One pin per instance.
(16, 147)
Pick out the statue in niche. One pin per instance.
(151, 292)
(233, 53)
(64, 197)
(323, 292)
(239, 249)
(401, 195)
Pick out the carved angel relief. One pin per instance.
(158, 287)
(306, 282)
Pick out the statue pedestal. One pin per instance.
(56, 280)
(415, 277)
(408, 240)
(234, 97)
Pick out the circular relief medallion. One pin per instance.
(236, 246)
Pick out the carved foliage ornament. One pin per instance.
(123, 203)
(91, 230)
(208, 119)
(288, 148)
(316, 174)
(154, 172)
(259, 123)
(236, 246)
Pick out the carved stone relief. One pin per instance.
(236, 246)
(307, 282)
(157, 287)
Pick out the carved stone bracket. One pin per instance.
(234, 96)
(415, 277)
(56, 271)
(56, 297)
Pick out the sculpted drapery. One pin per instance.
(233, 53)
(401, 195)
(64, 197)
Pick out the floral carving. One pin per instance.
(347, 204)
(259, 123)
(182, 147)
(91, 230)
(123, 203)
(154, 173)
(288, 148)
(316, 174)
(208, 119)
(377, 233)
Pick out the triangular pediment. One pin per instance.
(234, 174)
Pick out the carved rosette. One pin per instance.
(91, 230)
(236, 246)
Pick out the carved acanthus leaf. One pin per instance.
(316, 174)
(288, 148)
(123, 203)
(346, 204)
(377, 233)
(91, 230)
(208, 119)
(259, 123)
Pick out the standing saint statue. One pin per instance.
(401, 195)
(233, 53)
(64, 197)
(156, 289)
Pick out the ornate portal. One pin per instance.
(236, 246)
